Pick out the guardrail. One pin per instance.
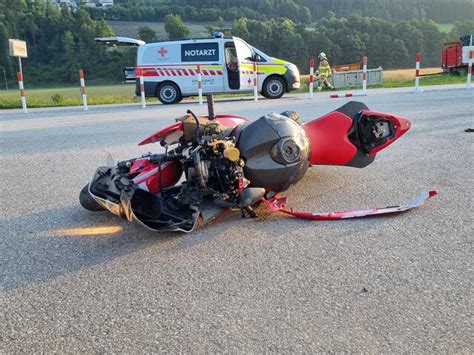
(356, 78)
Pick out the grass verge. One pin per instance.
(125, 93)
(402, 81)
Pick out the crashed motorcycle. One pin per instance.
(220, 162)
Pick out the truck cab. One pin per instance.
(455, 55)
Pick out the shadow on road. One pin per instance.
(40, 246)
(82, 239)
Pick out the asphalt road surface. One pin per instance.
(76, 281)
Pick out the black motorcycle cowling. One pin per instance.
(275, 150)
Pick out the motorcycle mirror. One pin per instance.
(110, 160)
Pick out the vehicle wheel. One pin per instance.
(169, 93)
(88, 202)
(273, 87)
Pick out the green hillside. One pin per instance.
(130, 28)
(307, 11)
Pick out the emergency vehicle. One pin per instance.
(170, 68)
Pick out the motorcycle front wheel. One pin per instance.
(87, 201)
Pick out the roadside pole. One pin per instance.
(255, 80)
(469, 69)
(19, 49)
(199, 84)
(417, 73)
(311, 77)
(364, 75)
(142, 87)
(83, 89)
(363, 92)
(19, 75)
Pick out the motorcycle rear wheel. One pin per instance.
(88, 202)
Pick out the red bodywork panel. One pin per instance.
(176, 128)
(231, 121)
(328, 139)
(330, 143)
(148, 177)
(451, 56)
(279, 205)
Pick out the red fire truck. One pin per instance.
(455, 55)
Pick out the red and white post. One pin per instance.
(255, 82)
(364, 75)
(199, 74)
(83, 89)
(311, 77)
(469, 70)
(142, 87)
(19, 76)
(417, 73)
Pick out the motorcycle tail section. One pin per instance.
(352, 135)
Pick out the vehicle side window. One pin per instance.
(231, 59)
(243, 50)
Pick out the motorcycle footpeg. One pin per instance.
(250, 196)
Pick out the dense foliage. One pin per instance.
(443, 11)
(59, 43)
(175, 27)
(346, 40)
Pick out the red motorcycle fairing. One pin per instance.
(231, 121)
(149, 175)
(170, 134)
(352, 135)
(330, 144)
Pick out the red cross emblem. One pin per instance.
(162, 51)
(249, 81)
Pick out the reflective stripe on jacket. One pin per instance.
(324, 68)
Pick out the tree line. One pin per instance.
(61, 40)
(307, 11)
(390, 44)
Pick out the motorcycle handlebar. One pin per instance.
(161, 158)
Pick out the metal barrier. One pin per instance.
(356, 78)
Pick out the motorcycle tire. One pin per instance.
(88, 202)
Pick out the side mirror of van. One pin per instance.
(256, 58)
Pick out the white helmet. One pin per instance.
(322, 56)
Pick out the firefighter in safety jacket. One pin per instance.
(324, 72)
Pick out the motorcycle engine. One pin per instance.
(214, 167)
(275, 150)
